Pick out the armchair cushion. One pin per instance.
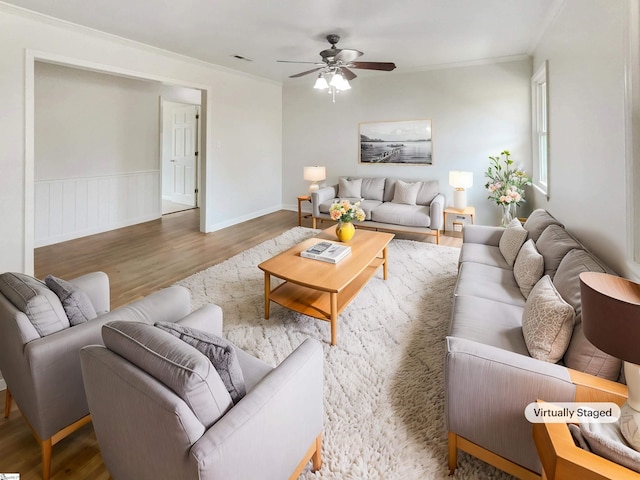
(75, 302)
(32, 297)
(219, 351)
(174, 363)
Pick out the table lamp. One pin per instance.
(314, 175)
(460, 180)
(611, 321)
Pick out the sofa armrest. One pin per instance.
(96, 286)
(436, 211)
(54, 380)
(484, 234)
(322, 195)
(278, 419)
(207, 318)
(487, 390)
(166, 305)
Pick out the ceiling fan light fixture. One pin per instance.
(337, 80)
(321, 83)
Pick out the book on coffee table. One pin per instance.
(326, 252)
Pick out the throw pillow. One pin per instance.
(350, 188)
(75, 302)
(554, 243)
(547, 322)
(33, 298)
(528, 268)
(219, 351)
(538, 221)
(511, 240)
(406, 193)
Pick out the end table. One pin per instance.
(302, 198)
(469, 211)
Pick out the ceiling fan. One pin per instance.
(340, 61)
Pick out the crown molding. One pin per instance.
(59, 23)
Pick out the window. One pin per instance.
(540, 140)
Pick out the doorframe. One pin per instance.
(163, 101)
(33, 56)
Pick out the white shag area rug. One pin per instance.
(383, 381)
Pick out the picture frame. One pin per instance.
(403, 142)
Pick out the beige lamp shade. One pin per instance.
(460, 179)
(314, 175)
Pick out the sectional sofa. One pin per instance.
(516, 337)
(389, 204)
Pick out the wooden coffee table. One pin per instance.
(319, 289)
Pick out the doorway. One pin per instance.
(180, 144)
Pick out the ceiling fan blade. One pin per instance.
(348, 74)
(385, 66)
(305, 73)
(347, 55)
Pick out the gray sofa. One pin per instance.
(40, 350)
(413, 207)
(490, 374)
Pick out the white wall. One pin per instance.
(588, 188)
(243, 129)
(94, 129)
(476, 111)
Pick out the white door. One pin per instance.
(183, 156)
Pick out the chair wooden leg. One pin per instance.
(317, 455)
(7, 403)
(46, 446)
(453, 453)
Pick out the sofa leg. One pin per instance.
(313, 222)
(7, 403)
(437, 237)
(453, 453)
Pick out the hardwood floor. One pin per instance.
(139, 260)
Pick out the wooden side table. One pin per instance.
(560, 458)
(302, 198)
(469, 211)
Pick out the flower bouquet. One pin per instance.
(344, 213)
(506, 185)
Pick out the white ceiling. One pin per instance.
(415, 34)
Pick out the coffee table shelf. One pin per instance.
(317, 303)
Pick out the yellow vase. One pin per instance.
(345, 231)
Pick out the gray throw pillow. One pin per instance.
(350, 188)
(75, 302)
(406, 193)
(219, 351)
(33, 298)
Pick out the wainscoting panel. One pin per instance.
(77, 207)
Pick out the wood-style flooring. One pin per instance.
(139, 260)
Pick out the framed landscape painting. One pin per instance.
(405, 142)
